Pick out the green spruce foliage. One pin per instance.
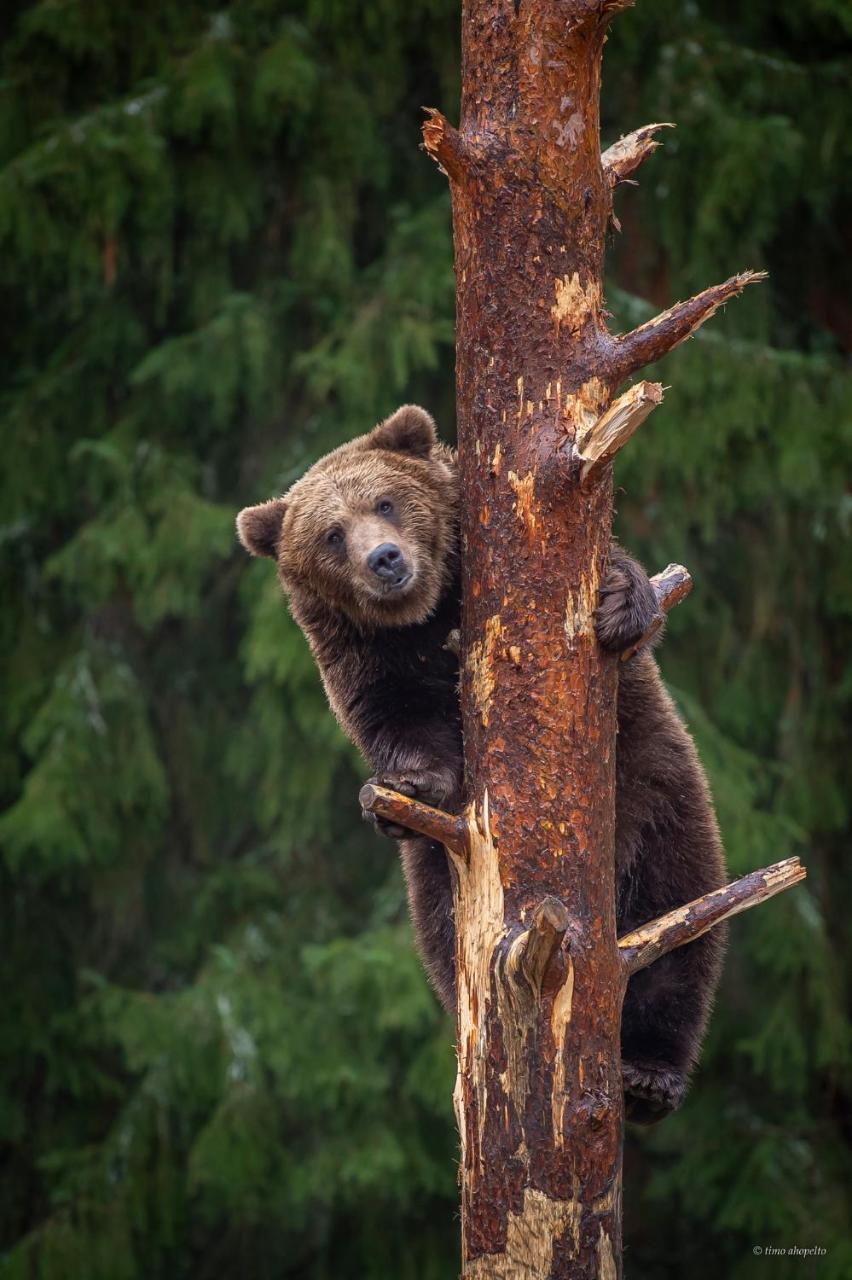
(221, 252)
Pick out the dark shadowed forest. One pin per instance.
(221, 253)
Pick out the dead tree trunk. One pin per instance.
(541, 975)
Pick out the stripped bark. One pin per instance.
(539, 1094)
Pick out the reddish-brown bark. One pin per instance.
(541, 1159)
(540, 975)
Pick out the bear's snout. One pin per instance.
(389, 565)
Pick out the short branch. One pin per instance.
(419, 817)
(599, 443)
(666, 331)
(625, 156)
(444, 143)
(532, 951)
(643, 946)
(670, 587)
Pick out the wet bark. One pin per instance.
(541, 976)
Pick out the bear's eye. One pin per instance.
(384, 507)
(334, 537)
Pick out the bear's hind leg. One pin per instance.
(665, 1014)
(430, 900)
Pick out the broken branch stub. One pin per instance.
(643, 946)
(444, 143)
(625, 156)
(656, 338)
(532, 950)
(599, 444)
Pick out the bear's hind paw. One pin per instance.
(651, 1091)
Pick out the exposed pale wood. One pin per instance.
(599, 443)
(642, 946)
(419, 817)
(632, 351)
(532, 950)
(625, 156)
(532, 1231)
(672, 585)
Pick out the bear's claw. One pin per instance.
(651, 1091)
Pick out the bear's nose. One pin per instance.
(387, 562)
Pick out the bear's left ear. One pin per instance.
(259, 528)
(409, 430)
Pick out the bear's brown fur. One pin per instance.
(366, 546)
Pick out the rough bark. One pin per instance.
(540, 987)
(538, 1097)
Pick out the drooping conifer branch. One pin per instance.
(599, 444)
(625, 156)
(671, 585)
(643, 946)
(633, 351)
(422, 818)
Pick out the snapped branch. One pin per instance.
(643, 946)
(625, 156)
(532, 950)
(598, 444)
(632, 351)
(671, 586)
(444, 143)
(404, 811)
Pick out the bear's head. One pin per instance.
(370, 529)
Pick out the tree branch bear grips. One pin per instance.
(547, 837)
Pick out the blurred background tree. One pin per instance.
(221, 253)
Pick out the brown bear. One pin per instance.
(366, 547)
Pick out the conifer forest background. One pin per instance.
(221, 253)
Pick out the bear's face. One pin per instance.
(371, 528)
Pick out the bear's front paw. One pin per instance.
(651, 1091)
(430, 787)
(628, 607)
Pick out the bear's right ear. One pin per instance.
(259, 528)
(409, 430)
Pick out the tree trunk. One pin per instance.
(541, 976)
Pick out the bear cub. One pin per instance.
(366, 547)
